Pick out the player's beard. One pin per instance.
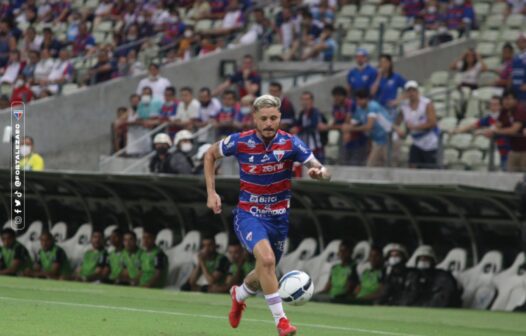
(267, 134)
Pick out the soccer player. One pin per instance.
(14, 257)
(94, 259)
(131, 262)
(113, 266)
(266, 156)
(154, 263)
(52, 262)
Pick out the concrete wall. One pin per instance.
(73, 131)
(417, 66)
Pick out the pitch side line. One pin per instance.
(215, 317)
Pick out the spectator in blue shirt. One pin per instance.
(367, 118)
(518, 72)
(325, 47)
(363, 76)
(310, 124)
(385, 88)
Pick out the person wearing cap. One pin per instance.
(160, 162)
(181, 160)
(518, 69)
(419, 116)
(363, 75)
(395, 256)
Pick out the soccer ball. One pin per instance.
(296, 288)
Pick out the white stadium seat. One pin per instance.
(76, 246)
(60, 231)
(319, 267)
(138, 232)
(360, 253)
(221, 239)
(107, 233)
(455, 261)
(477, 281)
(31, 238)
(165, 239)
(296, 259)
(181, 259)
(511, 286)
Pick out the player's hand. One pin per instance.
(319, 173)
(214, 203)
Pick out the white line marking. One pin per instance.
(50, 289)
(215, 317)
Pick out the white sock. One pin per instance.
(276, 306)
(243, 293)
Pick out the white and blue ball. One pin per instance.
(296, 288)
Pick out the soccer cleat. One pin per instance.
(285, 328)
(237, 309)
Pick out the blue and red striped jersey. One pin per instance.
(265, 171)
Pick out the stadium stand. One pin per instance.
(319, 267)
(297, 258)
(78, 244)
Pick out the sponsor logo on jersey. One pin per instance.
(251, 143)
(263, 199)
(251, 159)
(249, 236)
(303, 149)
(265, 158)
(278, 154)
(267, 211)
(282, 141)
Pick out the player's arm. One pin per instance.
(316, 170)
(55, 271)
(13, 269)
(212, 155)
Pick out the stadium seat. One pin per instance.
(76, 246)
(372, 36)
(138, 232)
(203, 25)
(461, 141)
(378, 20)
(181, 259)
(348, 50)
(296, 259)
(511, 286)
(515, 21)
(361, 23)
(448, 124)
(482, 9)
(486, 49)
(489, 36)
(354, 36)
(343, 22)
(455, 261)
(481, 142)
(477, 281)
(30, 238)
(349, 10)
(439, 78)
(487, 78)
(165, 239)
(59, 231)
(221, 239)
(398, 22)
(472, 158)
(494, 21)
(451, 156)
(360, 252)
(387, 10)
(367, 10)
(319, 267)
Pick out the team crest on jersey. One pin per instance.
(278, 154)
(282, 141)
(251, 143)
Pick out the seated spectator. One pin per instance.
(442, 36)
(353, 144)
(363, 76)
(217, 9)
(505, 68)
(74, 20)
(324, 48)
(7, 42)
(309, 126)
(469, 66)
(288, 30)
(103, 70)
(244, 120)
(486, 122)
(323, 13)
(431, 15)
(387, 84)
(309, 32)
(366, 119)
(31, 161)
(115, 262)
(288, 114)
(512, 122)
(154, 263)
(157, 83)
(241, 264)
(132, 256)
(42, 71)
(161, 161)
(187, 110)
(11, 71)
(168, 110)
(460, 16)
(200, 10)
(184, 49)
(419, 116)
(61, 73)
(94, 260)
(134, 64)
(199, 161)
(396, 272)
(370, 286)
(209, 108)
(343, 278)
(29, 68)
(211, 271)
(51, 262)
(50, 42)
(14, 257)
(84, 42)
(247, 80)
(261, 29)
(21, 91)
(122, 69)
(181, 160)
(103, 11)
(31, 41)
(518, 72)
(412, 9)
(226, 118)
(206, 46)
(231, 22)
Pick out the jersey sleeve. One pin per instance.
(228, 146)
(302, 153)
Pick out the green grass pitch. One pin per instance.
(44, 307)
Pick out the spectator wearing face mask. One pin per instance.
(155, 81)
(431, 15)
(149, 106)
(143, 108)
(30, 160)
(160, 162)
(395, 256)
(181, 161)
(244, 119)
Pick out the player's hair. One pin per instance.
(27, 137)
(47, 234)
(131, 233)
(97, 231)
(339, 91)
(207, 236)
(230, 93)
(9, 231)
(118, 232)
(277, 85)
(266, 101)
(171, 89)
(187, 89)
(308, 93)
(207, 90)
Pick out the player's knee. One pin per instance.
(268, 261)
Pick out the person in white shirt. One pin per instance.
(232, 21)
(12, 69)
(154, 81)
(419, 116)
(469, 66)
(515, 7)
(42, 71)
(187, 110)
(210, 107)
